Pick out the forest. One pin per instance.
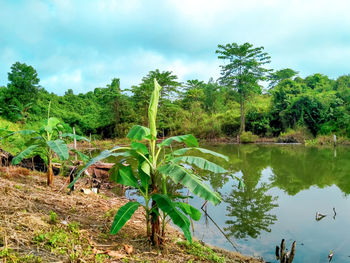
(248, 97)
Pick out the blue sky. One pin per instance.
(82, 45)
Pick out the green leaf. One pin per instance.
(144, 170)
(139, 147)
(187, 139)
(184, 150)
(123, 215)
(200, 163)
(52, 122)
(82, 156)
(23, 132)
(179, 219)
(181, 175)
(60, 148)
(5, 132)
(94, 160)
(125, 176)
(24, 154)
(194, 213)
(138, 132)
(26, 132)
(72, 136)
(152, 109)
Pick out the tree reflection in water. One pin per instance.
(248, 211)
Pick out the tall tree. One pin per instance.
(193, 92)
(245, 68)
(23, 81)
(22, 89)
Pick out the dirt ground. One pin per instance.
(45, 224)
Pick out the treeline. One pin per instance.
(208, 110)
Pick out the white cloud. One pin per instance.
(84, 44)
(66, 80)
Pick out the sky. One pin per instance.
(84, 44)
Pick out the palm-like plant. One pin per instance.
(151, 175)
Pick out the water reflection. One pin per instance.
(295, 168)
(284, 188)
(248, 211)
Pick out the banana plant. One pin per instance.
(45, 142)
(147, 165)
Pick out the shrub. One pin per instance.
(248, 137)
(295, 136)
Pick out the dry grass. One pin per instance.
(32, 213)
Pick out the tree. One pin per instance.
(142, 92)
(193, 92)
(22, 89)
(23, 80)
(342, 86)
(243, 71)
(279, 75)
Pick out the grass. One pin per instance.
(53, 217)
(64, 240)
(200, 251)
(10, 256)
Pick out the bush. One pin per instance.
(230, 122)
(248, 137)
(295, 136)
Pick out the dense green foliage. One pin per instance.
(208, 110)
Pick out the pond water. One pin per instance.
(284, 187)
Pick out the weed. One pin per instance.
(10, 256)
(103, 196)
(5, 252)
(74, 227)
(203, 252)
(53, 217)
(100, 258)
(18, 187)
(110, 213)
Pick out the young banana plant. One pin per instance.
(45, 143)
(155, 164)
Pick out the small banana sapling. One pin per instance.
(45, 142)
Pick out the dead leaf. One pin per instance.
(115, 254)
(129, 249)
(97, 251)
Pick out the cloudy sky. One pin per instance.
(83, 44)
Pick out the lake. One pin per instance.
(284, 187)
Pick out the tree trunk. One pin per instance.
(242, 116)
(156, 236)
(49, 172)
